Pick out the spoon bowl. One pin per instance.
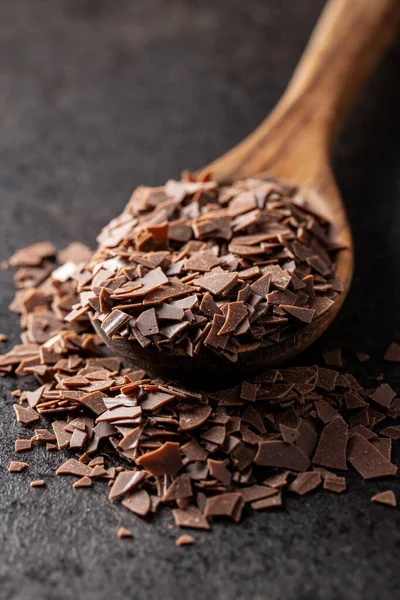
(293, 144)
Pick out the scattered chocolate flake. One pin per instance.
(33, 255)
(331, 448)
(198, 453)
(184, 540)
(222, 505)
(125, 482)
(16, 466)
(362, 357)
(166, 460)
(83, 482)
(387, 498)
(333, 358)
(367, 459)
(334, 483)
(392, 353)
(25, 415)
(37, 483)
(3, 337)
(305, 483)
(74, 467)
(124, 533)
(274, 501)
(282, 455)
(190, 517)
(23, 445)
(138, 502)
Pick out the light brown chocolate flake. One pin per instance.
(26, 416)
(218, 470)
(123, 533)
(16, 466)
(387, 498)
(147, 323)
(3, 337)
(193, 417)
(125, 482)
(23, 445)
(33, 255)
(179, 488)
(305, 483)
(274, 501)
(37, 483)
(362, 357)
(83, 482)
(191, 517)
(74, 467)
(63, 437)
(166, 460)
(138, 502)
(218, 282)
(257, 492)
(367, 459)
(185, 540)
(334, 483)
(222, 505)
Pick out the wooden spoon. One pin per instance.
(293, 144)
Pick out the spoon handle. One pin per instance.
(294, 141)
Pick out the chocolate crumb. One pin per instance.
(37, 483)
(124, 533)
(184, 540)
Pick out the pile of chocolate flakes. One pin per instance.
(289, 431)
(203, 267)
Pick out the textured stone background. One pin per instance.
(95, 98)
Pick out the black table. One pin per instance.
(97, 97)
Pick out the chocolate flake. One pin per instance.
(16, 466)
(190, 517)
(282, 455)
(367, 459)
(387, 498)
(123, 533)
(25, 415)
(305, 483)
(37, 483)
(392, 353)
(331, 448)
(138, 502)
(125, 482)
(184, 540)
(23, 445)
(83, 482)
(165, 460)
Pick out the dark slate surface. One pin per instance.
(95, 98)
